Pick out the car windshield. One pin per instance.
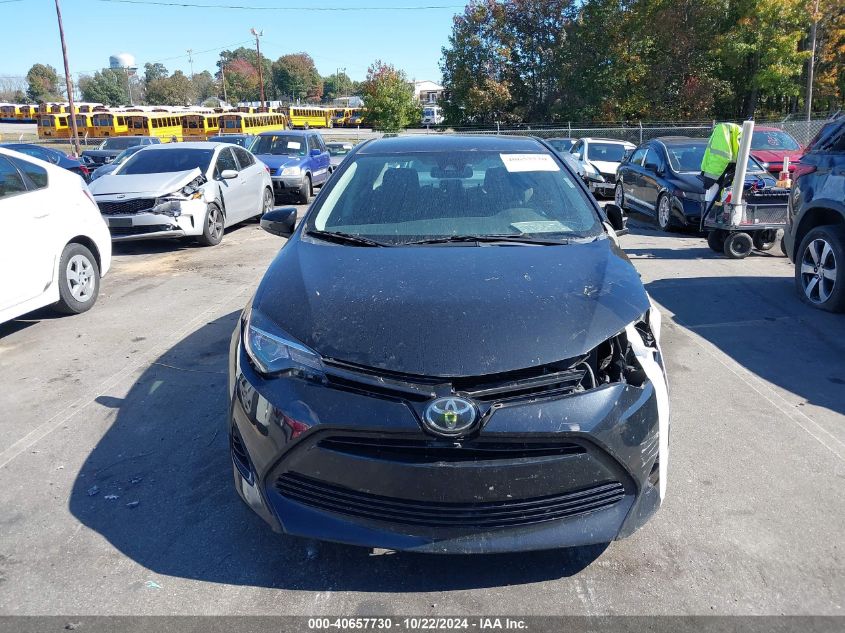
(339, 149)
(686, 158)
(560, 144)
(165, 160)
(120, 142)
(610, 152)
(774, 140)
(120, 158)
(400, 198)
(279, 144)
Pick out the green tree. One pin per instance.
(154, 71)
(337, 85)
(241, 84)
(296, 76)
(204, 86)
(389, 98)
(108, 86)
(43, 84)
(241, 81)
(174, 90)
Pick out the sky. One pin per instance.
(94, 29)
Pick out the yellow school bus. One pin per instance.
(59, 108)
(245, 123)
(356, 117)
(87, 108)
(340, 116)
(53, 126)
(165, 125)
(85, 124)
(10, 112)
(198, 124)
(28, 113)
(309, 116)
(245, 109)
(105, 124)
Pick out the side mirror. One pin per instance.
(651, 167)
(279, 221)
(228, 174)
(316, 151)
(617, 219)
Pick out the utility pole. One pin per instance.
(223, 79)
(258, 34)
(190, 52)
(69, 83)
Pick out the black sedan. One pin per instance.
(662, 178)
(53, 156)
(450, 354)
(109, 149)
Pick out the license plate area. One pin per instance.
(122, 223)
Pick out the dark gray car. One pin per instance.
(108, 150)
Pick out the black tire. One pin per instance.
(79, 280)
(716, 240)
(664, 220)
(307, 191)
(764, 240)
(738, 245)
(212, 230)
(828, 245)
(268, 201)
(619, 196)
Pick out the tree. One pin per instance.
(241, 81)
(295, 75)
(154, 71)
(108, 86)
(829, 77)
(389, 98)
(43, 83)
(240, 85)
(337, 85)
(204, 86)
(174, 90)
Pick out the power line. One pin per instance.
(240, 7)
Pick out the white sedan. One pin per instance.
(183, 190)
(54, 245)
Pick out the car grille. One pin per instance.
(126, 207)
(417, 451)
(239, 454)
(493, 514)
(140, 230)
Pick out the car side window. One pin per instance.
(35, 174)
(652, 158)
(577, 148)
(638, 156)
(245, 159)
(225, 160)
(11, 181)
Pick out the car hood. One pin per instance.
(152, 184)
(101, 153)
(451, 310)
(604, 166)
(776, 156)
(274, 161)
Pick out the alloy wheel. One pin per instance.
(215, 223)
(268, 201)
(663, 212)
(618, 195)
(80, 278)
(818, 271)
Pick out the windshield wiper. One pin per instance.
(345, 238)
(487, 239)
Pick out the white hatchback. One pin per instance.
(54, 245)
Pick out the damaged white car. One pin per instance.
(183, 190)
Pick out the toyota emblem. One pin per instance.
(450, 416)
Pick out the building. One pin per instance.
(427, 91)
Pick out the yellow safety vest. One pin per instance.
(722, 150)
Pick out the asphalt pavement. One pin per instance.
(116, 490)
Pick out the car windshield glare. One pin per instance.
(279, 144)
(686, 158)
(773, 140)
(161, 161)
(400, 198)
(610, 152)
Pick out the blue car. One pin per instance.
(662, 178)
(298, 161)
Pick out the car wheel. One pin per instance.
(79, 280)
(818, 263)
(764, 240)
(738, 245)
(716, 240)
(212, 232)
(307, 192)
(664, 213)
(619, 196)
(268, 202)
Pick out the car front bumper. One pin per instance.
(287, 185)
(319, 461)
(147, 225)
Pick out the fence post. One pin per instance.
(641, 132)
(569, 128)
(497, 128)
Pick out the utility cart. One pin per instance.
(736, 230)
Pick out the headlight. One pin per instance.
(592, 173)
(276, 353)
(290, 171)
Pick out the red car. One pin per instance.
(770, 146)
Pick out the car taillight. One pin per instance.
(802, 169)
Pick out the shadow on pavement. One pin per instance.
(168, 451)
(762, 324)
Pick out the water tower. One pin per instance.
(126, 63)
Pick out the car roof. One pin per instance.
(605, 140)
(190, 145)
(286, 131)
(677, 140)
(453, 142)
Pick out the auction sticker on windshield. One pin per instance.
(529, 162)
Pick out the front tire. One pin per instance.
(267, 202)
(818, 268)
(79, 280)
(716, 240)
(764, 240)
(307, 192)
(664, 213)
(619, 196)
(212, 232)
(738, 245)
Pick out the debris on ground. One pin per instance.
(111, 497)
(152, 584)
